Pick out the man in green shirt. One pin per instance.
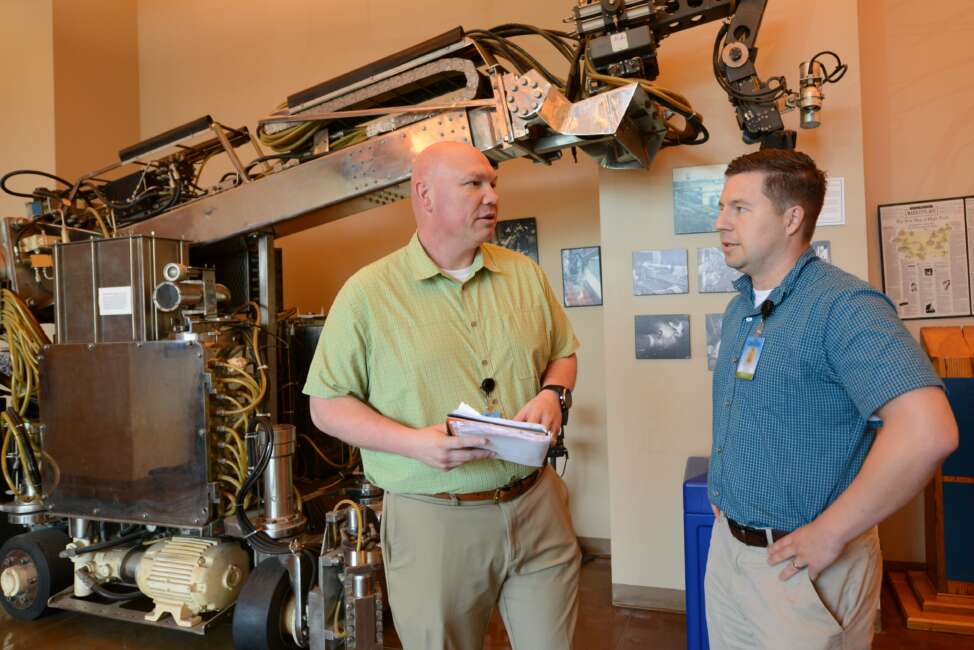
(450, 318)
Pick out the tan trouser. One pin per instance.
(448, 564)
(749, 607)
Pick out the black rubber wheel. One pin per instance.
(39, 549)
(258, 617)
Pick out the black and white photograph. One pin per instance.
(714, 322)
(696, 198)
(660, 272)
(581, 274)
(823, 248)
(519, 235)
(713, 274)
(663, 336)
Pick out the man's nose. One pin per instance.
(490, 195)
(721, 223)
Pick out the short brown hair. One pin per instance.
(790, 178)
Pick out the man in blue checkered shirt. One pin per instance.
(827, 419)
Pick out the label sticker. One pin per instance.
(114, 301)
(619, 41)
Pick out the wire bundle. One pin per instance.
(25, 339)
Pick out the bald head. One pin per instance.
(436, 157)
(453, 198)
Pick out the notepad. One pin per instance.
(518, 442)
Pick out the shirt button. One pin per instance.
(727, 402)
(716, 493)
(748, 319)
(735, 359)
(494, 402)
(473, 323)
(484, 362)
(720, 450)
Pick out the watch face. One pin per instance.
(566, 398)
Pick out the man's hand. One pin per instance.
(432, 446)
(544, 409)
(810, 547)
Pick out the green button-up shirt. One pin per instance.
(413, 342)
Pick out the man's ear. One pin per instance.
(795, 217)
(422, 193)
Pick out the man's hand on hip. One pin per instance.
(809, 547)
(544, 409)
(432, 446)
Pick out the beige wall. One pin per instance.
(96, 83)
(917, 103)
(27, 94)
(658, 412)
(237, 61)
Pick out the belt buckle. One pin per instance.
(504, 488)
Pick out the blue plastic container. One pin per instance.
(698, 522)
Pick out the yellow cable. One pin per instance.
(359, 518)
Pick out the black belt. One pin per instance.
(753, 536)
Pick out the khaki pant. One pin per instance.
(749, 607)
(449, 564)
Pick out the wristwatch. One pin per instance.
(564, 395)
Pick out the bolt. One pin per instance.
(537, 93)
(524, 81)
(735, 54)
(91, 346)
(510, 99)
(145, 515)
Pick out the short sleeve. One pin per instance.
(340, 364)
(873, 355)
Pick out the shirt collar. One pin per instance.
(745, 286)
(423, 267)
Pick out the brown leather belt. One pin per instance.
(753, 536)
(508, 492)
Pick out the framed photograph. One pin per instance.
(581, 275)
(663, 336)
(823, 249)
(519, 235)
(924, 250)
(696, 197)
(660, 272)
(713, 274)
(714, 322)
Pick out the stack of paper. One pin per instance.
(518, 442)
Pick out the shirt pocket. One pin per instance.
(520, 340)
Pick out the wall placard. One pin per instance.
(925, 256)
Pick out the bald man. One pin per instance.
(450, 318)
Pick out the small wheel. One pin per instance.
(31, 572)
(258, 617)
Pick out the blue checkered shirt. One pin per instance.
(788, 442)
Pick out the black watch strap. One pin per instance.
(564, 395)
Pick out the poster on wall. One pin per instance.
(926, 271)
(696, 197)
(663, 336)
(823, 249)
(714, 326)
(519, 235)
(833, 209)
(581, 276)
(713, 274)
(659, 272)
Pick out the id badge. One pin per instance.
(748, 364)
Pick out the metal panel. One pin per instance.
(125, 423)
(376, 164)
(85, 267)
